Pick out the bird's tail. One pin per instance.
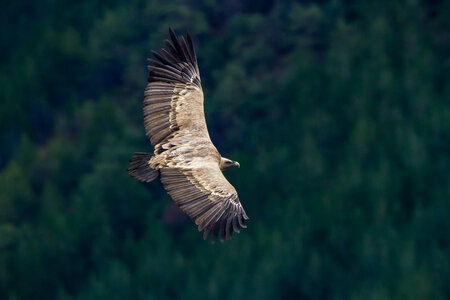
(140, 168)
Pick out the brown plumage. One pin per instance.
(189, 164)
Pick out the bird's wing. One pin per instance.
(173, 99)
(205, 195)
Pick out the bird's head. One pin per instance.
(226, 163)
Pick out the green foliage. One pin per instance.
(338, 113)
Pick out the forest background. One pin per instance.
(337, 110)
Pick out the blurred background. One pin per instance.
(338, 112)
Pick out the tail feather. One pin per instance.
(140, 168)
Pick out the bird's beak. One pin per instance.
(236, 164)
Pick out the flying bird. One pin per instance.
(184, 157)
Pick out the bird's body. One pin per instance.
(189, 164)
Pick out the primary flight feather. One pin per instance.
(187, 161)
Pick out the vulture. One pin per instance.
(184, 157)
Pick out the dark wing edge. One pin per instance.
(177, 63)
(220, 214)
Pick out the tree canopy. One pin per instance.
(338, 112)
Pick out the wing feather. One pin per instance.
(206, 197)
(173, 81)
(176, 44)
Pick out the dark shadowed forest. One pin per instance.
(338, 112)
